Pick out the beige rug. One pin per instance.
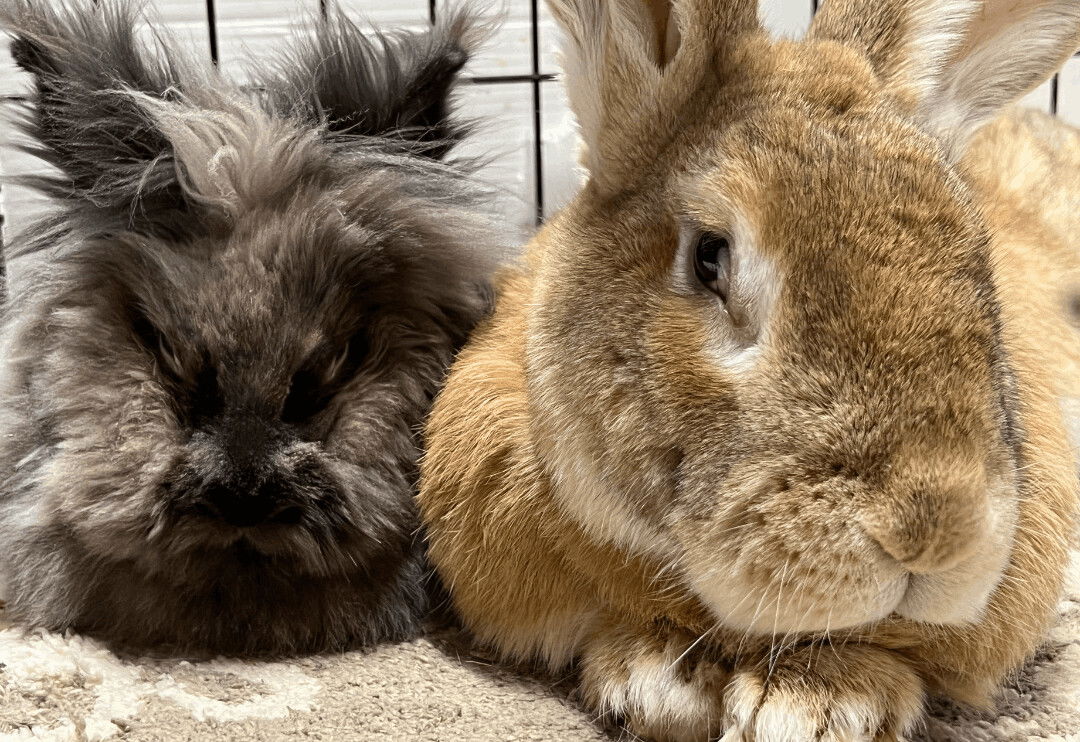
(57, 688)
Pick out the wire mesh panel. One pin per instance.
(526, 130)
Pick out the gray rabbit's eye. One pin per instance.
(204, 400)
(314, 386)
(193, 384)
(156, 343)
(712, 263)
(306, 397)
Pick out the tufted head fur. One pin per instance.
(770, 361)
(229, 330)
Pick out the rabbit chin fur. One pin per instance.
(222, 343)
(857, 441)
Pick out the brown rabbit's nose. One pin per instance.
(933, 519)
(245, 508)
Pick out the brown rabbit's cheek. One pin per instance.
(617, 503)
(618, 471)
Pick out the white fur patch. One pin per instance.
(606, 514)
(788, 714)
(751, 716)
(659, 702)
(783, 719)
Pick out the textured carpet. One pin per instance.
(56, 688)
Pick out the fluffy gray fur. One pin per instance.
(211, 384)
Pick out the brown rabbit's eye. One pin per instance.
(712, 263)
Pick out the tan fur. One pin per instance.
(850, 483)
(1028, 165)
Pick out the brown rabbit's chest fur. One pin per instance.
(530, 578)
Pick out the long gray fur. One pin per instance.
(244, 300)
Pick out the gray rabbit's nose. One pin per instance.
(245, 508)
(246, 440)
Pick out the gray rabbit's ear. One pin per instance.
(89, 72)
(372, 84)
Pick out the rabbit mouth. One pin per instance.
(295, 539)
(802, 600)
(281, 515)
(293, 548)
(201, 523)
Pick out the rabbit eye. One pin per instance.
(712, 263)
(315, 385)
(305, 398)
(205, 395)
(193, 385)
(155, 343)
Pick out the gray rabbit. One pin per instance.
(239, 310)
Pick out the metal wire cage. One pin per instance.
(527, 133)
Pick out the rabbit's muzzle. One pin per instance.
(243, 506)
(811, 554)
(245, 477)
(243, 473)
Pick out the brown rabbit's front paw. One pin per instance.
(824, 694)
(655, 681)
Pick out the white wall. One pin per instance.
(506, 80)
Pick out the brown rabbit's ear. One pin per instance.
(960, 61)
(665, 30)
(623, 60)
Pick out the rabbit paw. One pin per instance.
(655, 681)
(827, 694)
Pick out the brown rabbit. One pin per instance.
(766, 430)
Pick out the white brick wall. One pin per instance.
(533, 156)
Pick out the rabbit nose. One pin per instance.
(932, 526)
(244, 507)
(246, 440)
